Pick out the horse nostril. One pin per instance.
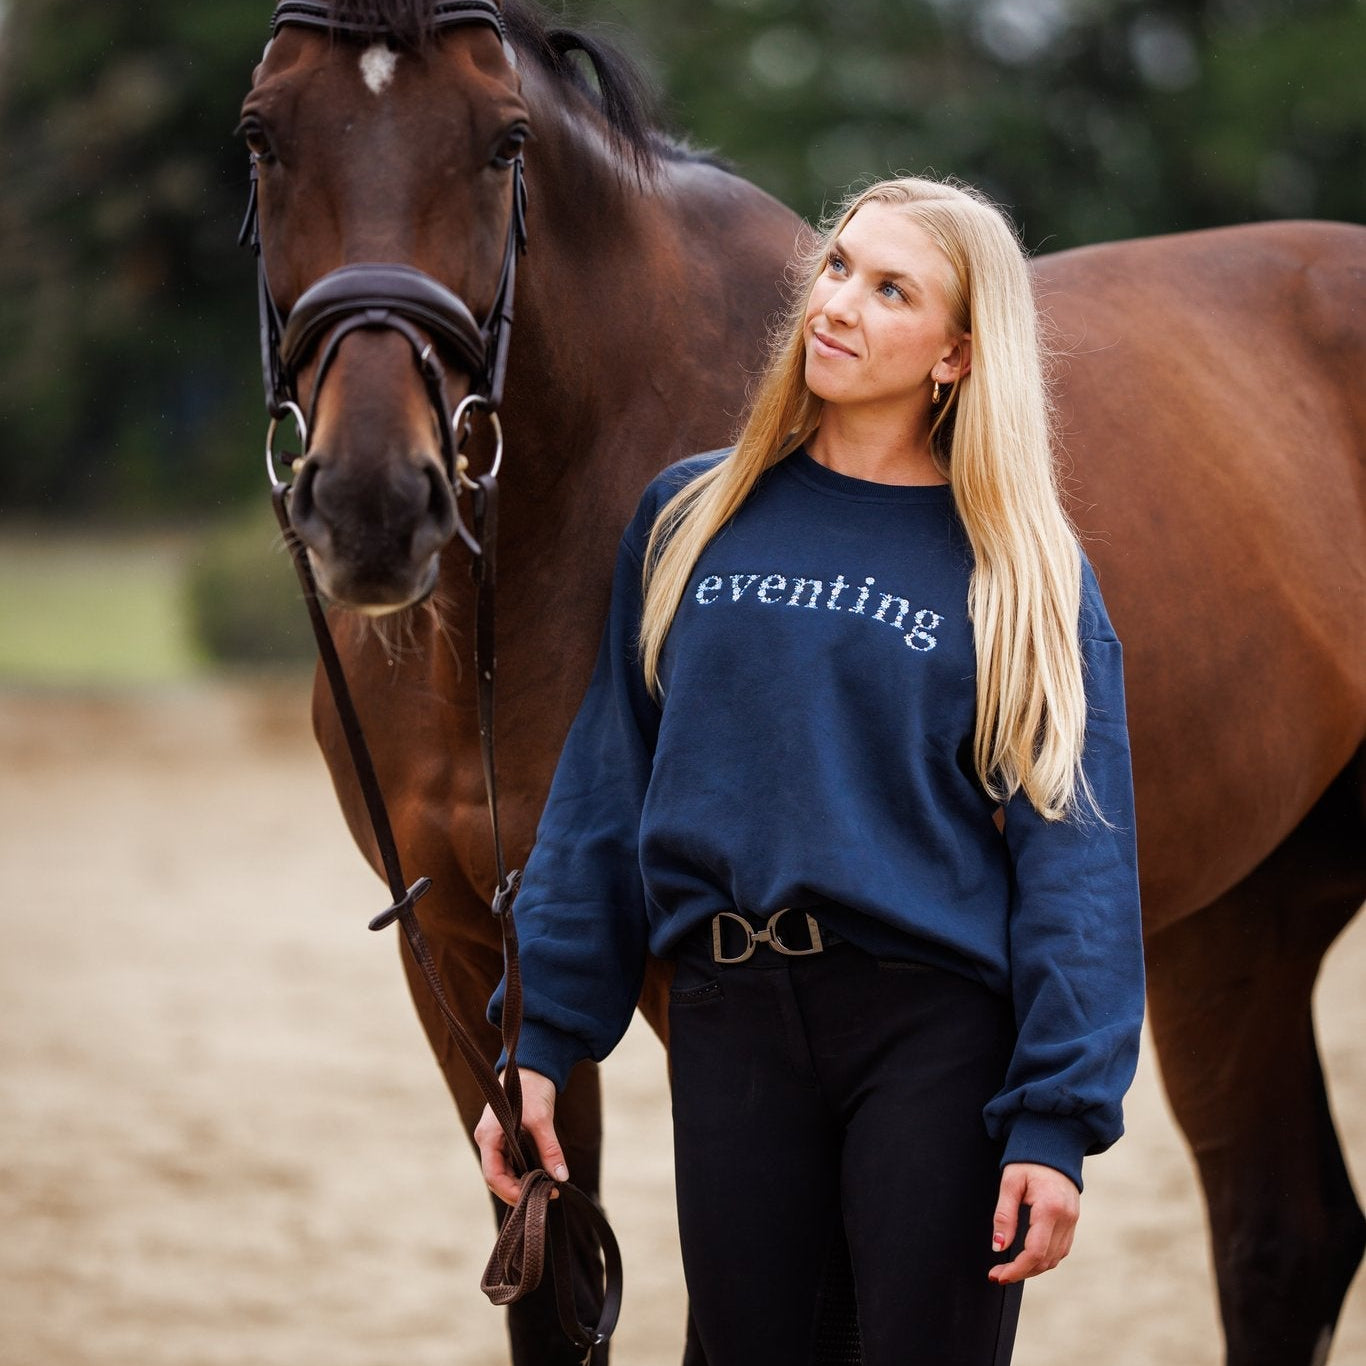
(301, 508)
(436, 495)
(304, 514)
(436, 527)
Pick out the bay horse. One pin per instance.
(1212, 414)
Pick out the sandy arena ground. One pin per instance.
(224, 1142)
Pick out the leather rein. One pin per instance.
(433, 318)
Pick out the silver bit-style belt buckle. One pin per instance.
(768, 935)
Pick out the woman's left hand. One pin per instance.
(1054, 1207)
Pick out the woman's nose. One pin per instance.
(842, 305)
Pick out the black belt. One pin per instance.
(734, 939)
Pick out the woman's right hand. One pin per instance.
(538, 1120)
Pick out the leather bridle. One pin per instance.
(432, 318)
(388, 295)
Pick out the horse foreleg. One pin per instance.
(1230, 999)
(469, 974)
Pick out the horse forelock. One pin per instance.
(407, 22)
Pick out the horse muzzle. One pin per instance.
(374, 536)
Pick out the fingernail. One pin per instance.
(562, 1173)
(997, 1242)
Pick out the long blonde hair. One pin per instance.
(992, 441)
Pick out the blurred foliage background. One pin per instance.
(128, 383)
(129, 387)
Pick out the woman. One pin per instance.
(854, 756)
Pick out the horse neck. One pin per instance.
(641, 308)
(601, 247)
(642, 300)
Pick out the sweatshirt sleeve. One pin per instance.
(580, 912)
(1076, 941)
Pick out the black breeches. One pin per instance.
(836, 1087)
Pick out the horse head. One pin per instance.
(386, 141)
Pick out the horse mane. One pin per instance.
(619, 90)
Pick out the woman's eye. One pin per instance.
(511, 147)
(890, 291)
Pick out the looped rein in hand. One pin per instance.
(430, 316)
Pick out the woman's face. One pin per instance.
(878, 330)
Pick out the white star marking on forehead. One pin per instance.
(377, 65)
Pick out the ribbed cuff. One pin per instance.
(1056, 1141)
(547, 1051)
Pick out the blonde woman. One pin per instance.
(855, 757)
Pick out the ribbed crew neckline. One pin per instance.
(803, 467)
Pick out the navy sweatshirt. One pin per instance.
(814, 746)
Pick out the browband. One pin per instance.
(445, 14)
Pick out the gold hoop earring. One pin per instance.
(934, 397)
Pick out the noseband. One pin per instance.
(388, 295)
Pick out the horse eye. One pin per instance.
(511, 147)
(253, 133)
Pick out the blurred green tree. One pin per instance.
(125, 379)
(127, 333)
(1092, 119)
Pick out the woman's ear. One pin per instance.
(955, 362)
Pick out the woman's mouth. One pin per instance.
(827, 346)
